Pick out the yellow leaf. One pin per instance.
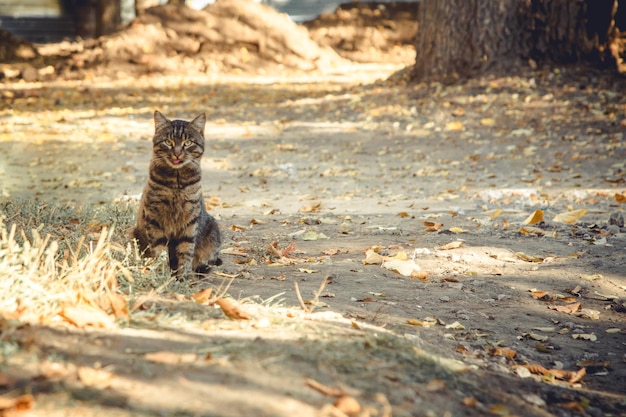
(231, 310)
(528, 258)
(493, 213)
(421, 323)
(535, 217)
(433, 226)
(530, 230)
(569, 217)
(92, 377)
(487, 122)
(454, 126)
(203, 296)
(620, 198)
(457, 230)
(347, 405)
(402, 267)
(452, 245)
(373, 258)
(82, 315)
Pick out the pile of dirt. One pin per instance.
(226, 35)
(369, 32)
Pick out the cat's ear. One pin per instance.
(160, 121)
(199, 122)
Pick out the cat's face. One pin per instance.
(177, 142)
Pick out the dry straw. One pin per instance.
(38, 281)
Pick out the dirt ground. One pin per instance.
(459, 250)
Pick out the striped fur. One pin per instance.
(171, 213)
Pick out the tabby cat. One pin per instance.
(171, 212)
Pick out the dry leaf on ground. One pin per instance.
(231, 310)
(535, 217)
(170, 358)
(18, 404)
(569, 309)
(203, 296)
(348, 405)
(275, 250)
(82, 315)
(92, 377)
(433, 226)
(452, 245)
(569, 217)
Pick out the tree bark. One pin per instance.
(108, 17)
(462, 38)
(142, 5)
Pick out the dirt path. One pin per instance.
(335, 167)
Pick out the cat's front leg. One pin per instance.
(150, 242)
(180, 251)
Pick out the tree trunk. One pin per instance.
(108, 16)
(142, 5)
(461, 38)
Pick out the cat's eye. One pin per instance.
(187, 143)
(169, 143)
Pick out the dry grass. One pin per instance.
(60, 261)
(53, 258)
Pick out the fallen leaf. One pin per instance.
(487, 122)
(308, 271)
(505, 352)
(373, 258)
(535, 217)
(493, 213)
(170, 358)
(455, 326)
(585, 336)
(231, 310)
(500, 410)
(528, 258)
(403, 267)
(457, 230)
(311, 235)
(433, 226)
(577, 376)
(530, 230)
(538, 337)
(92, 377)
(470, 402)
(82, 315)
(203, 296)
(421, 275)
(569, 217)
(569, 309)
(435, 385)
(20, 403)
(454, 126)
(331, 252)
(420, 323)
(275, 250)
(348, 405)
(620, 198)
(314, 207)
(452, 245)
